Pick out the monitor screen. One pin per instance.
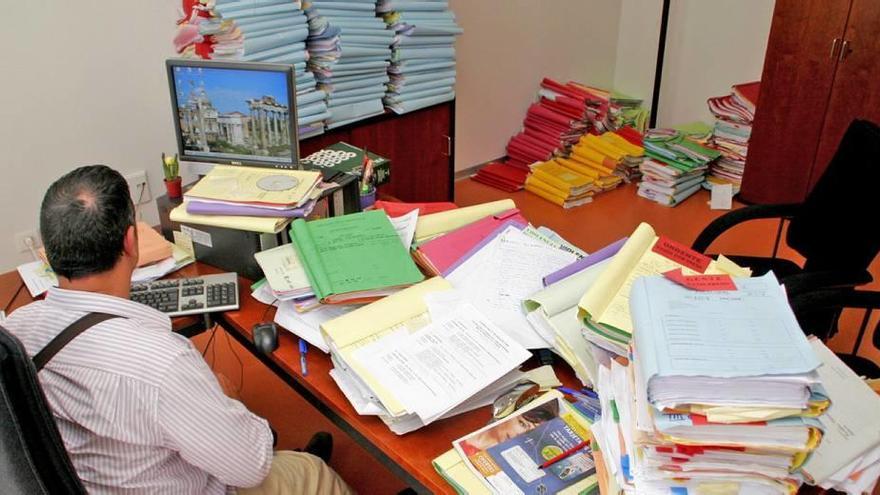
(235, 113)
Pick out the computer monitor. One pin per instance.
(234, 113)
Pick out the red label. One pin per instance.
(701, 282)
(681, 254)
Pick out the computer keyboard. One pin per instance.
(189, 296)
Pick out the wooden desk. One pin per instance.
(408, 456)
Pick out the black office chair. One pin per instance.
(32, 455)
(807, 305)
(835, 228)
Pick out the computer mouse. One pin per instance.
(265, 337)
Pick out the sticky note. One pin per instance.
(722, 197)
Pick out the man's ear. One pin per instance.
(130, 243)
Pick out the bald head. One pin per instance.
(84, 219)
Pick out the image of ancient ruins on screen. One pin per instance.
(233, 114)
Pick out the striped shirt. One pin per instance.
(138, 408)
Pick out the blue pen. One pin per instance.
(303, 350)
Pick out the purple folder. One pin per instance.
(203, 208)
(587, 261)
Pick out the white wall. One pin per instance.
(83, 82)
(507, 47)
(710, 45)
(636, 59)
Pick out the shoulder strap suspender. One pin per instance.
(68, 334)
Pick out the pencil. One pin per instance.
(565, 454)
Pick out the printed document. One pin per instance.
(436, 368)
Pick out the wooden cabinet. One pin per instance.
(419, 145)
(821, 71)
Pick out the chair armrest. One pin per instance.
(802, 283)
(735, 217)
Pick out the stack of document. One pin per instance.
(553, 313)
(442, 254)
(551, 126)
(734, 114)
(349, 55)
(248, 198)
(422, 72)
(677, 169)
(503, 271)
(848, 459)
(271, 31)
(599, 158)
(393, 359)
(604, 307)
(560, 185)
(722, 390)
(627, 111)
(501, 176)
(353, 259)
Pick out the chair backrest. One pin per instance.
(32, 455)
(837, 226)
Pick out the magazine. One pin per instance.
(507, 455)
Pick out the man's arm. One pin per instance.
(210, 430)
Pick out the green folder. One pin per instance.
(354, 258)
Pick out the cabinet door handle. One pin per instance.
(844, 50)
(448, 145)
(834, 47)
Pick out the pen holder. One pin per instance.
(368, 198)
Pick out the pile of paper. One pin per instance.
(604, 307)
(848, 459)
(608, 158)
(722, 390)
(422, 72)
(553, 313)
(675, 168)
(552, 124)
(560, 185)
(349, 55)
(393, 359)
(272, 31)
(609, 110)
(734, 114)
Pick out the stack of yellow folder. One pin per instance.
(560, 185)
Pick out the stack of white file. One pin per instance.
(722, 391)
(392, 360)
(349, 54)
(848, 459)
(423, 60)
(269, 31)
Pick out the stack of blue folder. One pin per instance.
(422, 71)
(349, 51)
(271, 31)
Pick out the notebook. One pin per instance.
(354, 258)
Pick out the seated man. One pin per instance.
(138, 408)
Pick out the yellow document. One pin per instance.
(283, 269)
(630, 148)
(440, 223)
(403, 311)
(265, 225)
(454, 470)
(607, 301)
(256, 185)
